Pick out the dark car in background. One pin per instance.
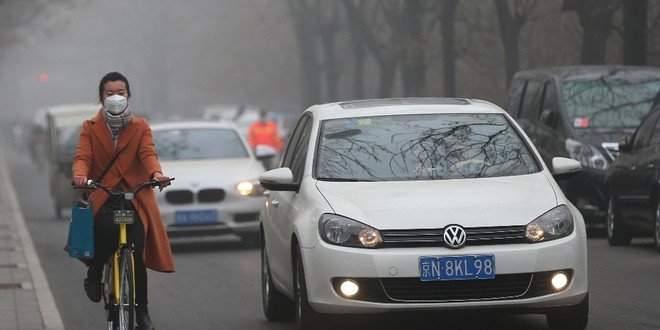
(633, 186)
(582, 112)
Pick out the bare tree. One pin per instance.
(635, 32)
(596, 19)
(447, 29)
(511, 20)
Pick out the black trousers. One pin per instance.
(106, 236)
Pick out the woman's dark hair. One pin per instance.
(113, 76)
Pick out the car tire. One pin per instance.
(277, 307)
(617, 232)
(306, 316)
(570, 318)
(656, 227)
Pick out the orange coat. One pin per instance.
(136, 164)
(266, 134)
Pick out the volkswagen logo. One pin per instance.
(454, 236)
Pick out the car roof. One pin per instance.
(395, 106)
(590, 72)
(177, 124)
(72, 109)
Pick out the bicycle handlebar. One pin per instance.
(94, 185)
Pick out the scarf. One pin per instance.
(117, 122)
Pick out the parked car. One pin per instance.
(633, 182)
(216, 190)
(419, 204)
(582, 112)
(63, 125)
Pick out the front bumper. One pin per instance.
(324, 262)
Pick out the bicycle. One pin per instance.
(119, 275)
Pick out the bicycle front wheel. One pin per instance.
(126, 299)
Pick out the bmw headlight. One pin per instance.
(343, 231)
(587, 155)
(249, 188)
(554, 224)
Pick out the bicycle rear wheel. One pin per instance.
(126, 299)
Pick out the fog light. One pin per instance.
(559, 281)
(349, 288)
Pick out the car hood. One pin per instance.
(500, 201)
(211, 173)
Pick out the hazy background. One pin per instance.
(181, 56)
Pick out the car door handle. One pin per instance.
(275, 202)
(650, 165)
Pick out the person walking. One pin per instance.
(116, 134)
(264, 132)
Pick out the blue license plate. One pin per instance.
(477, 267)
(200, 217)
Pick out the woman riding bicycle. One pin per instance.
(121, 142)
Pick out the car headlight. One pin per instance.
(554, 224)
(587, 155)
(343, 231)
(249, 188)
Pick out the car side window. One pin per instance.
(531, 103)
(300, 153)
(295, 137)
(550, 107)
(644, 131)
(655, 135)
(516, 93)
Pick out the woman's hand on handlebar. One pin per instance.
(79, 180)
(163, 179)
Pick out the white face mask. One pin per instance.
(115, 104)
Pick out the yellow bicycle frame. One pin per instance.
(115, 263)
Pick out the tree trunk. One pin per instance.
(413, 68)
(635, 32)
(447, 18)
(305, 33)
(596, 20)
(510, 25)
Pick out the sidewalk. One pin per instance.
(26, 302)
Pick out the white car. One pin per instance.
(419, 204)
(216, 188)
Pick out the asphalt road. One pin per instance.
(217, 282)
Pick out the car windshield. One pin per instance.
(198, 143)
(421, 147)
(610, 103)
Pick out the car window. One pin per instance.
(655, 136)
(300, 154)
(550, 102)
(644, 131)
(421, 147)
(516, 93)
(609, 102)
(531, 103)
(198, 143)
(290, 149)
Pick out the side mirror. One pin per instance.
(564, 168)
(624, 145)
(279, 179)
(548, 117)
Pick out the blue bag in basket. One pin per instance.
(80, 243)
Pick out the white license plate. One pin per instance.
(457, 268)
